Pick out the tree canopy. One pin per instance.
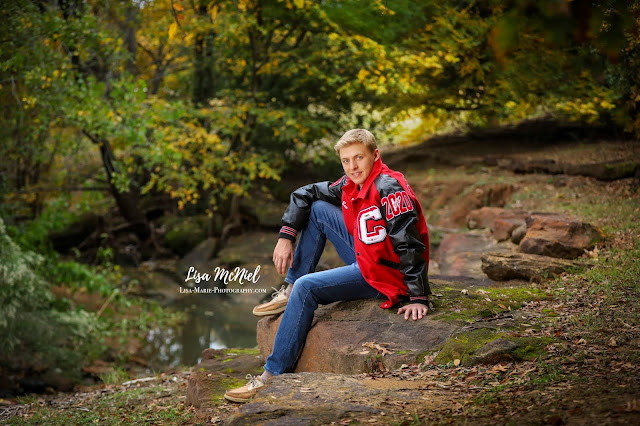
(199, 100)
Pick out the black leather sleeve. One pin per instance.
(296, 216)
(406, 242)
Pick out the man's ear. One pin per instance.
(376, 155)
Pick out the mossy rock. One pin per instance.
(480, 302)
(487, 346)
(219, 370)
(184, 233)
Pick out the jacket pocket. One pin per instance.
(389, 263)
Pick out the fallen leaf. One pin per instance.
(500, 368)
(633, 405)
(380, 347)
(612, 342)
(456, 362)
(464, 291)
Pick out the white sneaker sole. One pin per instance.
(233, 399)
(272, 312)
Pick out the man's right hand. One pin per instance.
(283, 255)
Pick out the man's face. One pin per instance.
(357, 162)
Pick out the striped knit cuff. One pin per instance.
(288, 233)
(420, 299)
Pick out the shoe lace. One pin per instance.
(279, 294)
(254, 382)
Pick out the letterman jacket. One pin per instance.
(391, 238)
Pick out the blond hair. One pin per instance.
(352, 136)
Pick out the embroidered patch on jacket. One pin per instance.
(396, 204)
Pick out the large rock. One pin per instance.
(494, 352)
(339, 331)
(218, 371)
(496, 195)
(483, 217)
(503, 227)
(556, 236)
(459, 254)
(320, 398)
(485, 345)
(502, 222)
(503, 267)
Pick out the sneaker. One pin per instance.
(278, 304)
(246, 392)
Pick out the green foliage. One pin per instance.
(34, 235)
(201, 100)
(28, 322)
(77, 276)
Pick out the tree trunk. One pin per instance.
(128, 202)
(203, 84)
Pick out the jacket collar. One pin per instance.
(362, 193)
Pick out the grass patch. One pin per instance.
(114, 376)
(147, 405)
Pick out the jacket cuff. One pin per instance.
(420, 299)
(289, 233)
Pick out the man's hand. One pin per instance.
(283, 255)
(416, 310)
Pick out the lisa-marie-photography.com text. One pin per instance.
(240, 275)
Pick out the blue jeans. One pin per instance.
(312, 288)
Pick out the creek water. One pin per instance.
(212, 321)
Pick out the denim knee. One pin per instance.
(320, 206)
(303, 290)
(300, 287)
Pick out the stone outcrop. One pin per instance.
(494, 352)
(218, 371)
(502, 222)
(357, 336)
(459, 254)
(559, 237)
(502, 227)
(548, 236)
(531, 267)
(483, 217)
(320, 398)
(495, 195)
(606, 171)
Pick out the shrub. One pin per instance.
(33, 333)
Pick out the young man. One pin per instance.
(376, 224)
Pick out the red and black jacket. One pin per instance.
(391, 238)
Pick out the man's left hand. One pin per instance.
(415, 310)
